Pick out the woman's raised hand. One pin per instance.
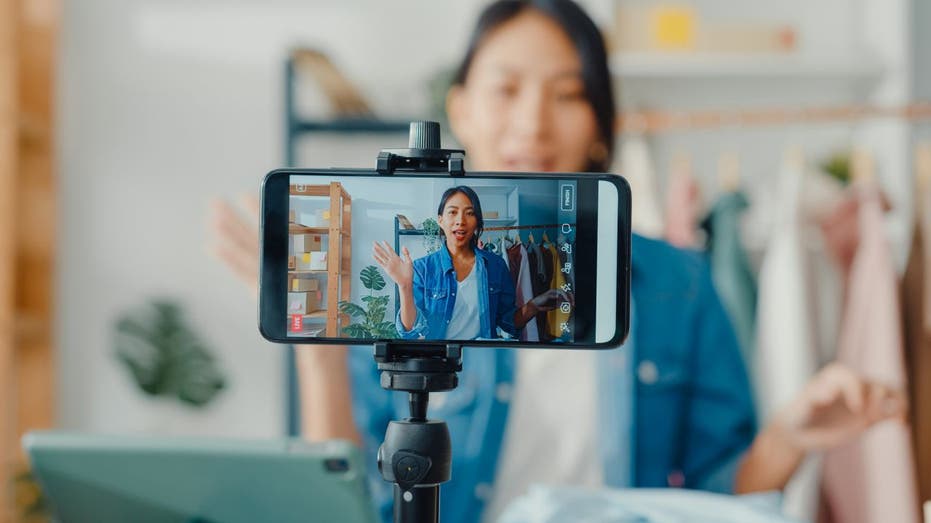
(836, 406)
(399, 268)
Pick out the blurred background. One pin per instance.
(120, 120)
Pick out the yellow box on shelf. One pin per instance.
(304, 285)
(311, 261)
(673, 28)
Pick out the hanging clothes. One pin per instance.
(556, 317)
(539, 282)
(503, 252)
(637, 168)
(785, 355)
(916, 307)
(524, 289)
(731, 270)
(872, 478)
(683, 203)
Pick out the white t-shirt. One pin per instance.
(550, 434)
(465, 324)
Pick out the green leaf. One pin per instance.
(164, 355)
(347, 307)
(357, 331)
(376, 313)
(387, 330)
(372, 279)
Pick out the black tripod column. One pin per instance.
(417, 457)
(417, 453)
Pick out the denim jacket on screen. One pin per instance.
(675, 406)
(435, 288)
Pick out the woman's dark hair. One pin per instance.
(476, 208)
(588, 42)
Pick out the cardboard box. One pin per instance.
(323, 218)
(304, 302)
(318, 261)
(306, 242)
(318, 218)
(303, 285)
(312, 261)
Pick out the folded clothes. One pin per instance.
(549, 504)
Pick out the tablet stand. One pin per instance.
(417, 454)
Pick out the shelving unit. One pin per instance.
(339, 253)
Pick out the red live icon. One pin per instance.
(297, 322)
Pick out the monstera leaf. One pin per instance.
(164, 356)
(371, 322)
(372, 278)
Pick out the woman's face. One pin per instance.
(458, 221)
(523, 106)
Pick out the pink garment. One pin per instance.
(872, 479)
(524, 290)
(682, 208)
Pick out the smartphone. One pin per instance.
(484, 259)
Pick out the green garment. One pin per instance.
(731, 270)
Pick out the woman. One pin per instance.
(465, 282)
(671, 408)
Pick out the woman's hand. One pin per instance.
(550, 300)
(326, 401)
(836, 406)
(400, 269)
(235, 238)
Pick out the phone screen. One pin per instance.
(473, 259)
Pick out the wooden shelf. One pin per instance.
(657, 65)
(299, 271)
(316, 315)
(296, 228)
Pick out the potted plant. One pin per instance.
(371, 322)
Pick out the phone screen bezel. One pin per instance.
(273, 271)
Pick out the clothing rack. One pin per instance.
(657, 122)
(520, 227)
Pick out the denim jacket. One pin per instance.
(675, 407)
(435, 289)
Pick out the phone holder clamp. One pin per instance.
(423, 154)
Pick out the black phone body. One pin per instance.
(564, 236)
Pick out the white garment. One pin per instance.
(550, 434)
(524, 293)
(668, 505)
(465, 324)
(637, 168)
(786, 354)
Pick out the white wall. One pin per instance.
(162, 105)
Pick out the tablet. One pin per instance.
(114, 479)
